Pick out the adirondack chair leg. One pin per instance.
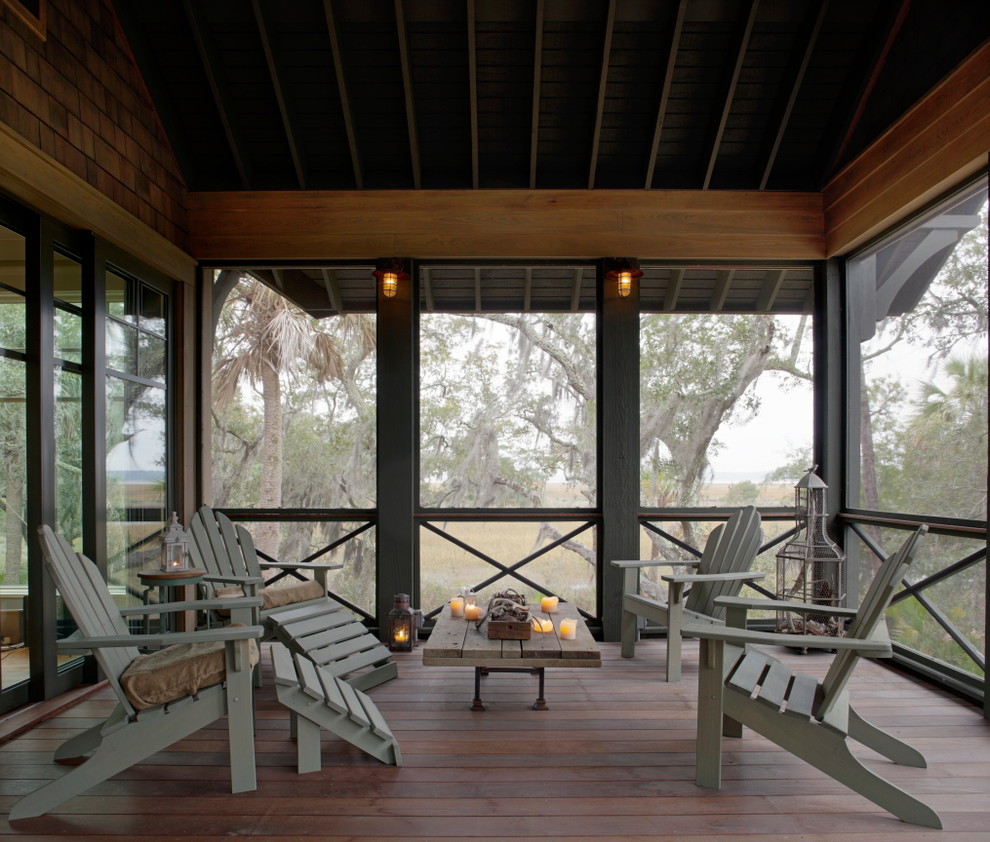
(883, 743)
(240, 718)
(675, 622)
(628, 634)
(708, 772)
(308, 748)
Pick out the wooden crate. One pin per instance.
(509, 630)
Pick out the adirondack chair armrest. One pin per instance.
(232, 579)
(785, 605)
(687, 562)
(123, 640)
(740, 637)
(191, 605)
(689, 578)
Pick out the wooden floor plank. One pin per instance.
(613, 759)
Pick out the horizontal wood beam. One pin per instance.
(37, 179)
(940, 141)
(709, 225)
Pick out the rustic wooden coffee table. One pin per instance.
(455, 642)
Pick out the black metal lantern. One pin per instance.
(175, 546)
(401, 625)
(810, 567)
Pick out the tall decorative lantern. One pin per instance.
(810, 567)
(175, 546)
(401, 626)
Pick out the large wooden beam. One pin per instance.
(568, 224)
(940, 141)
(37, 179)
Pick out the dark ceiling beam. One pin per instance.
(723, 283)
(668, 79)
(472, 47)
(277, 75)
(534, 129)
(160, 98)
(218, 87)
(345, 102)
(742, 42)
(772, 285)
(602, 85)
(673, 291)
(427, 276)
(400, 29)
(863, 79)
(332, 286)
(477, 290)
(576, 289)
(813, 27)
(528, 290)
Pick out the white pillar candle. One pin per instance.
(457, 607)
(472, 612)
(568, 629)
(549, 604)
(542, 624)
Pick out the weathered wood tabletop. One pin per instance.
(456, 642)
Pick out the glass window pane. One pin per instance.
(136, 479)
(121, 296)
(13, 562)
(68, 449)
(68, 336)
(11, 259)
(507, 410)
(152, 357)
(68, 279)
(923, 419)
(121, 347)
(725, 408)
(153, 311)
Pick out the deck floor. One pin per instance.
(613, 759)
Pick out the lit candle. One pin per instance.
(568, 629)
(542, 624)
(549, 604)
(401, 635)
(472, 612)
(457, 607)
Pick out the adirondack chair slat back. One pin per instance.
(731, 548)
(88, 599)
(217, 548)
(870, 615)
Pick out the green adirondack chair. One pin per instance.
(741, 686)
(138, 727)
(722, 570)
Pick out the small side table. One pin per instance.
(169, 582)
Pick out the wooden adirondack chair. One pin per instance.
(721, 571)
(811, 719)
(138, 728)
(302, 617)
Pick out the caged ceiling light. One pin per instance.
(623, 270)
(390, 272)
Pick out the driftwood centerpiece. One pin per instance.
(507, 616)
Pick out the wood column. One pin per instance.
(398, 432)
(618, 441)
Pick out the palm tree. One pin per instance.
(265, 339)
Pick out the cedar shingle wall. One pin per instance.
(78, 96)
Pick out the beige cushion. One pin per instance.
(177, 671)
(276, 595)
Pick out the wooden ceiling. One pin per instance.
(536, 94)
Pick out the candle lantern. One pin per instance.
(174, 546)
(810, 567)
(401, 625)
(470, 598)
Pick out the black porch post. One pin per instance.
(398, 430)
(618, 440)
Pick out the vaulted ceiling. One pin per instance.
(565, 94)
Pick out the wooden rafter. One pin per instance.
(673, 291)
(472, 47)
(534, 131)
(813, 28)
(332, 287)
(427, 277)
(576, 289)
(668, 80)
(218, 87)
(723, 283)
(345, 101)
(477, 290)
(770, 290)
(602, 86)
(742, 43)
(277, 76)
(400, 29)
(528, 290)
